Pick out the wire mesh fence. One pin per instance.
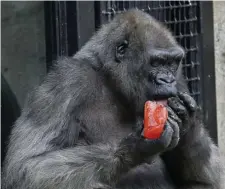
(182, 18)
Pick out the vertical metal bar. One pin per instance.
(164, 11)
(174, 19)
(69, 24)
(49, 33)
(131, 4)
(197, 63)
(185, 42)
(208, 70)
(85, 21)
(192, 53)
(56, 31)
(103, 8)
(62, 28)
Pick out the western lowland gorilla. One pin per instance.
(81, 128)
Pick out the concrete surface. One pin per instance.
(23, 45)
(219, 36)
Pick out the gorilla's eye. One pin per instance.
(174, 64)
(155, 63)
(120, 50)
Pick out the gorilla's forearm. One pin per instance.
(40, 153)
(202, 165)
(78, 167)
(194, 163)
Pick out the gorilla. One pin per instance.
(81, 128)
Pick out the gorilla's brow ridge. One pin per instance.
(168, 54)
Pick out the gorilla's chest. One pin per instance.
(107, 125)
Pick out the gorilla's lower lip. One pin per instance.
(163, 102)
(162, 98)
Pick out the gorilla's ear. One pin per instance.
(120, 50)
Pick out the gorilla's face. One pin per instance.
(159, 72)
(145, 58)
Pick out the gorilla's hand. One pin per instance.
(136, 148)
(182, 110)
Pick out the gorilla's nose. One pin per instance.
(163, 79)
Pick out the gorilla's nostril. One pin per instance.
(165, 79)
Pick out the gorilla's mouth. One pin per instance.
(161, 96)
(163, 102)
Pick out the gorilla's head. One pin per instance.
(140, 56)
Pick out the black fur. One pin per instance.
(82, 127)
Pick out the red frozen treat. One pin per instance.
(155, 116)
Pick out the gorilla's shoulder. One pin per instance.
(74, 69)
(74, 65)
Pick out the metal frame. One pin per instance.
(208, 68)
(56, 32)
(70, 24)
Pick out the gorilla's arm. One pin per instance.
(194, 163)
(40, 153)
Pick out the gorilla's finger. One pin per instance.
(138, 127)
(177, 106)
(166, 137)
(173, 115)
(154, 146)
(138, 130)
(188, 101)
(176, 133)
